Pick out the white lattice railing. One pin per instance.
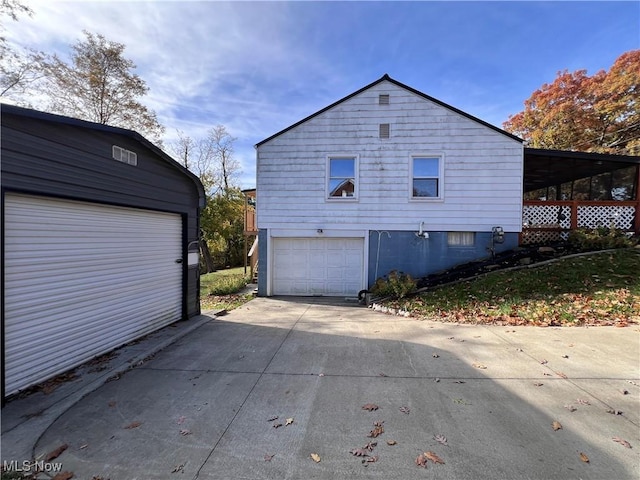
(544, 222)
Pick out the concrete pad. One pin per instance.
(318, 363)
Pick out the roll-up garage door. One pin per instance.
(317, 266)
(82, 279)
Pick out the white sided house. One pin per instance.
(385, 179)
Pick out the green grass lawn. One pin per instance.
(220, 289)
(598, 289)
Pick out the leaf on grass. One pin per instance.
(272, 419)
(406, 410)
(421, 461)
(391, 442)
(133, 425)
(571, 408)
(584, 458)
(370, 407)
(288, 421)
(583, 402)
(480, 366)
(622, 442)
(441, 439)
(359, 452)
(185, 432)
(63, 476)
(55, 453)
(376, 432)
(315, 457)
(556, 425)
(268, 457)
(433, 457)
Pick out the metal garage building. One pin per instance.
(99, 244)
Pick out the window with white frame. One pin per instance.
(342, 175)
(461, 239)
(426, 177)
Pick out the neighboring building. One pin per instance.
(387, 178)
(99, 242)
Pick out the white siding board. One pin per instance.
(483, 168)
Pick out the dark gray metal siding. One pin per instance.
(74, 161)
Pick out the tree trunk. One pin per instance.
(207, 260)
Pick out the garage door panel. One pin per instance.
(317, 266)
(82, 279)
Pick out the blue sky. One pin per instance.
(258, 67)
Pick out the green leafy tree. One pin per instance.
(222, 220)
(99, 85)
(598, 113)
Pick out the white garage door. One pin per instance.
(317, 266)
(82, 279)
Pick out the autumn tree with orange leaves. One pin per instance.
(598, 113)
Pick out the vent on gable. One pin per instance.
(125, 156)
(384, 130)
(383, 99)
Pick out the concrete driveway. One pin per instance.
(208, 406)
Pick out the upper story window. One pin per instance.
(426, 177)
(342, 174)
(383, 99)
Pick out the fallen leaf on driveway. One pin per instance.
(370, 407)
(315, 457)
(370, 446)
(277, 425)
(372, 459)
(381, 374)
(421, 461)
(538, 384)
(560, 374)
(622, 442)
(178, 468)
(55, 453)
(544, 362)
(435, 355)
(624, 391)
(571, 408)
(441, 439)
(583, 402)
(268, 457)
(614, 412)
(288, 421)
(584, 458)
(391, 442)
(556, 425)
(181, 419)
(377, 431)
(185, 432)
(565, 356)
(405, 410)
(112, 404)
(63, 476)
(433, 457)
(133, 425)
(359, 452)
(272, 419)
(480, 366)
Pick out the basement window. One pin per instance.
(384, 130)
(125, 156)
(461, 239)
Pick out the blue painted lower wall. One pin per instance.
(262, 262)
(408, 253)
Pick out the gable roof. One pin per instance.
(387, 78)
(9, 109)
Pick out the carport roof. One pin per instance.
(545, 168)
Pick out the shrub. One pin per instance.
(395, 284)
(602, 238)
(227, 284)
